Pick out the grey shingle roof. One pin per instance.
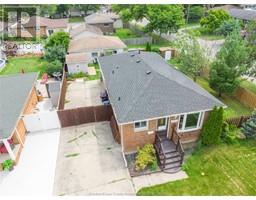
(14, 91)
(243, 14)
(165, 91)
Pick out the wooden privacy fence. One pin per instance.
(138, 41)
(246, 97)
(82, 115)
(63, 90)
(237, 121)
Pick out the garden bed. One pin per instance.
(130, 158)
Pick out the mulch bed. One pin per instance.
(130, 158)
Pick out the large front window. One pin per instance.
(190, 121)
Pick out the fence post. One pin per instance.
(241, 121)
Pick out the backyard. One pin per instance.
(217, 170)
(235, 108)
(28, 64)
(125, 33)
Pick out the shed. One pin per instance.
(167, 52)
(77, 62)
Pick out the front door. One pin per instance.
(162, 124)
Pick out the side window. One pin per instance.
(140, 126)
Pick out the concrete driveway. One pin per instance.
(90, 162)
(82, 93)
(34, 174)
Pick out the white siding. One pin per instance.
(77, 67)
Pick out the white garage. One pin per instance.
(77, 62)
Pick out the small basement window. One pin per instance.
(140, 126)
(191, 121)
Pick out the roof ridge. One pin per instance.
(141, 93)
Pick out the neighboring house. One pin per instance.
(13, 31)
(43, 27)
(245, 15)
(152, 101)
(84, 30)
(77, 62)
(18, 98)
(227, 8)
(75, 12)
(107, 22)
(96, 46)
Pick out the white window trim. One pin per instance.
(199, 122)
(141, 128)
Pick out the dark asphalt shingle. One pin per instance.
(243, 14)
(136, 95)
(14, 91)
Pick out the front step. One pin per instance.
(172, 156)
(170, 160)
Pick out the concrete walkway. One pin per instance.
(34, 174)
(83, 93)
(156, 179)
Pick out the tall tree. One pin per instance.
(214, 19)
(191, 56)
(129, 12)
(87, 7)
(59, 38)
(62, 8)
(48, 9)
(229, 65)
(162, 18)
(212, 128)
(251, 39)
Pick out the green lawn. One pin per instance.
(86, 77)
(125, 33)
(235, 108)
(75, 19)
(28, 64)
(203, 35)
(249, 86)
(98, 74)
(220, 170)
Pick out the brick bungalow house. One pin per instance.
(107, 22)
(154, 103)
(43, 27)
(88, 48)
(18, 98)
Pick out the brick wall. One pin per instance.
(34, 33)
(132, 140)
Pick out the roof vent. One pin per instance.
(117, 67)
(119, 98)
(138, 61)
(148, 72)
(113, 71)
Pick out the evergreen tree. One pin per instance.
(229, 65)
(212, 127)
(148, 47)
(249, 127)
